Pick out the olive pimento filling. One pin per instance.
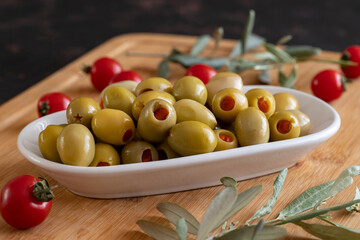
(103, 164)
(225, 138)
(227, 103)
(263, 105)
(161, 113)
(127, 135)
(146, 156)
(283, 126)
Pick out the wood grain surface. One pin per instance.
(74, 217)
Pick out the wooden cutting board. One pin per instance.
(74, 217)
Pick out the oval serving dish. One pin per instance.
(191, 172)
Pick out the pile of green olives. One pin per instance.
(157, 120)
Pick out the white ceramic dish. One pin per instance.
(184, 173)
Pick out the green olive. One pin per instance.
(225, 140)
(153, 84)
(304, 121)
(117, 97)
(81, 110)
(285, 101)
(251, 127)
(227, 103)
(47, 142)
(155, 120)
(283, 125)
(192, 137)
(143, 99)
(262, 100)
(223, 80)
(76, 145)
(190, 110)
(105, 155)
(165, 151)
(137, 152)
(113, 126)
(190, 87)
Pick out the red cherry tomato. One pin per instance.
(201, 71)
(102, 71)
(351, 53)
(126, 75)
(327, 85)
(20, 206)
(52, 102)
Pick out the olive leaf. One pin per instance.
(306, 200)
(220, 205)
(264, 77)
(217, 36)
(228, 181)
(328, 232)
(285, 39)
(340, 226)
(173, 212)
(247, 232)
(242, 200)
(302, 51)
(163, 68)
(247, 30)
(258, 228)
(344, 180)
(288, 81)
(157, 231)
(181, 229)
(355, 207)
(281, 55)
(200, 45)
(253, 41)
(316, 212)
(266, 209)
(188, 60)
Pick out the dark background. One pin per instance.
(37, 37)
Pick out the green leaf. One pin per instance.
(157, 231)
(220, 205)
(217, 36)
(253, 41)
(344, 180)
(302, 51)
(248, 30)
(242, 64)
(306, 200)
(266, 209)
(328, 232)
(242, 200)
(200, 45)
(188, 61)
(317, 212)
(264, 77)
(163, 69)
(246, 233)
(288, 81)
(228, 181)
(284, 40)
(355, 207)
(265, 56)
(281, 55)
(258, 228)
(341, 226)
(181, 229)
(173, 212)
